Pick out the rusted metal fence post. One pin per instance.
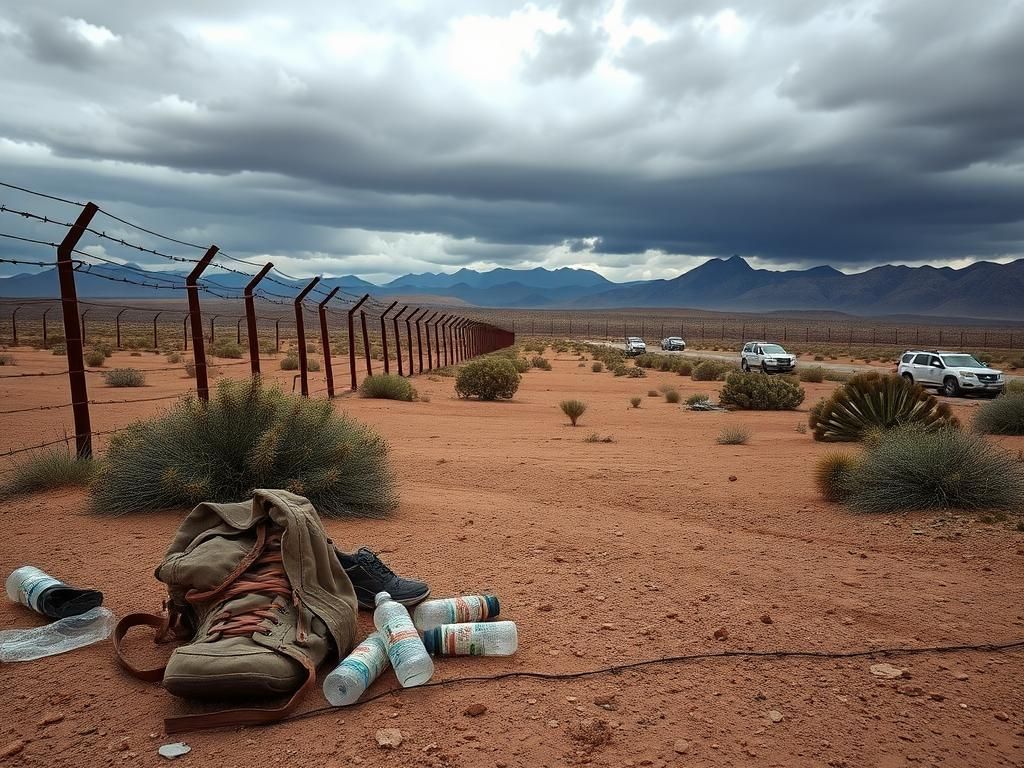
(384, 337)
(439, 340)
(277, 335)
(117, 327)
(398, 340)
(46, 341)
(195, 316)
(300, 331)
(213, 321)
(184, 329)
(351, 340)
(447, 331)
(250, 319)
(74, 342)
(14, 325)
(366, 343)
(238, 331)
(408, 333)
(430, 356)
(156, 337)
(85, 314)
(419, 341)
(325, 340)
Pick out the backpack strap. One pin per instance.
(167, 626)
(232, 718)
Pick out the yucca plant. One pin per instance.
(876, 401)
(246, 437)
(832, 474)
(573, 409)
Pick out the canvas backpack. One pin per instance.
(258, 593)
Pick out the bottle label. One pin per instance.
(403, 639)
(30, 584)
(467, 639)
(465, 609)
(368, 659)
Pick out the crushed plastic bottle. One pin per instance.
(51, 597)
(492, 638)
(410, 659)
(455, 610)
(60, 636)
(350, 679)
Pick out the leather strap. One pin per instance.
(160, 624)
(232, 718)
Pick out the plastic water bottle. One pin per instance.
(61, 636)
(51, 597)
(405, 646)
(353, 676)
(455, 610)
(493, 638)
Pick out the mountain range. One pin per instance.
(981, 290)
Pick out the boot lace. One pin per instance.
(265, 576)
(375, 565)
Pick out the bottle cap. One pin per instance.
(381, 597)
(432, 640)
(492, 606)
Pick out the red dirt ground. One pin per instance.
(602, 553)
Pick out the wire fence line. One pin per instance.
(303, 319)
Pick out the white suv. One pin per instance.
(635, 346)
(768, 357)
(954, 373)
(673, 343)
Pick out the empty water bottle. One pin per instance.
(353, 676)
(60, 636)
(493, 638)
(455, 610)
(51, 597)
(405, 646)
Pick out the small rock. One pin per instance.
(961, 677)
(766, 619)
(546, 607)
(936, 696)
(552, 723)
(606, 701)
(475, 710)
(531, 702)
(431, 747)
(389, 738)
(774, 715)
(681, 747)
(732, 478)
(721, 634)
(910, 690)
(608, 626)
(887, 671)
(171, 751)
(13, 748)
(1002, 716)
(51, 718)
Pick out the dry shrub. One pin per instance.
(387, 386)
(124, 377)
(1002, 416)
(814, 374)
(635, 401)
(734, 436)
(488, 378)
(95, 358)
(832, 473)
(49, 469)
(541, 362)
(597, 366)
(672, 396)
(6, 359)
(573, 409)
(760, 392)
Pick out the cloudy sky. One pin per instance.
(635, 137)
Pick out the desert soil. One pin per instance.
(603, 553)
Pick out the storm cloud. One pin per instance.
(636, 137)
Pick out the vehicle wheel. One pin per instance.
(744, 367)
(908, 377)
(950, 387)
(764, 368)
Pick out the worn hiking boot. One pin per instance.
(252, 641)
(369, 576)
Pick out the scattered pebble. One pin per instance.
(1002, 716)
(475, 710)
(732, 478)
(176, 749)
(766, 619)
(681, 747)
(721, 634)
(774, 715)
(887, 671)
(389, 738)
(13, 748)
(552, 723)
(51, 718)
(546, 607)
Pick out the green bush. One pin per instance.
(228, 349)
(124, 377)
(53, 468)
(1014, 387)
(635, 401)
(653, 393)
(619, 369)
(6, 359)
(636, 373)
(387, 386)
(682, 366)
(873, 401)
(1002, 416)
(710, 370)
(59, 349)
(312, 364)
(541, 362)
(699, 397)
(521, 363)
(246, 437)
(289, 363)
(95, 358)
(573, 409)
(814, 374)
(734, 436)
(832, 474)
(914, 468)
(760, 392)
(488, 378)
(672, 396)
(173, 357)
(104, 347)
(597, 366)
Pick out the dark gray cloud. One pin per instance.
(635, 136)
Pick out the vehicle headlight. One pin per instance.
(967, 375)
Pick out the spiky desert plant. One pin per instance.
(387, 386)
(597, 366)
(1002, 416)
(488, 378)
(832, 473)
(917, 467)
(247, 437)
(733, 436)
(760, 392)
(124, 377)
(573, 409)
(53, 468)
(540, 362)
(876, 401)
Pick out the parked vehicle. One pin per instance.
(770, 358)
(953, 373)
(635, 346)
(673, 343)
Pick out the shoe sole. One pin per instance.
(408, 602)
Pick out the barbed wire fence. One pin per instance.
(273, 313)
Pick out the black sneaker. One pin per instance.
(369, 576)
